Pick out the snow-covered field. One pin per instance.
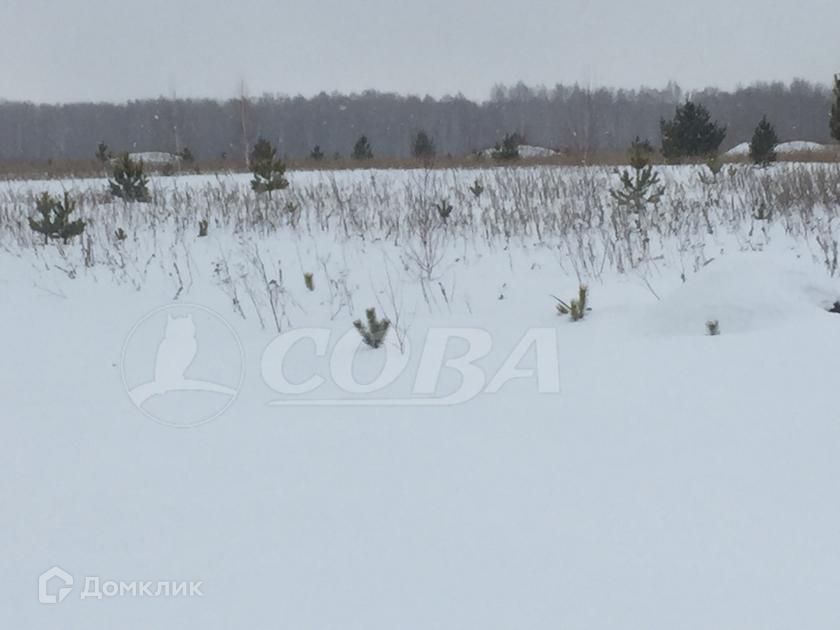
(673, 480)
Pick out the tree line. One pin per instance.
(567, 118)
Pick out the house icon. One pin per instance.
(62, 584)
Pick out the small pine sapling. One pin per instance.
(102, 153)
(713, 328)
(373, 333)
(53, 218)
(763, 144)
(642, 186)
(362, 150)
(423, 147)
(715, 166)
(128, 181)
(309, 280)
(268, 171)
(202, 228)
(508, 148)
(444, 209)
(476, 189)
(187, 157)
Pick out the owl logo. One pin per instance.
(176, 368)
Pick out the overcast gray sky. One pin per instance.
(71, 50)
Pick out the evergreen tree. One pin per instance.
(835, 110)
(317, 154)
(269, 171)
(187, 156)
(53, 218)
(508, 148)
(763, 144)
(642, 186)
(373, 334)
(691, 133)
(128, 181)
(362, 149)
(102, 152)
(422, 146)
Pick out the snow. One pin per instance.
(677, 480)
(526, 151)
(796, 146)
(155, 158)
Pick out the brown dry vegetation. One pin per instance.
(92, 168)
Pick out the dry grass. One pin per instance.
(62, 169)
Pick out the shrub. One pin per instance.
(476, 189)
(763, 144)
(373, 333)
(713, 327)
(309, 280)
(641, 187)
(691, 133)
(128, 181)
(362, 149)
(53, 218)
(268, 171)
(316, 153)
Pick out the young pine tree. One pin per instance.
(763, 144)
(362, 149)
(834, 122)
(187, 156)
(508, 148)
(423, 147)
(102, 152)
(642, 186)
(316, 153)
(269, 171)
(53, 218)
(128, 181)
(373, 334)
(691, 133)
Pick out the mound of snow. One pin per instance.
(738, 150)
(745, 293)
(525, 151)
(155, 158)
(795, 146)
(530, 151)
(798, 146)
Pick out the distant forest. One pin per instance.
(567, 118)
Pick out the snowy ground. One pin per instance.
(676, 480)
(792, 147)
